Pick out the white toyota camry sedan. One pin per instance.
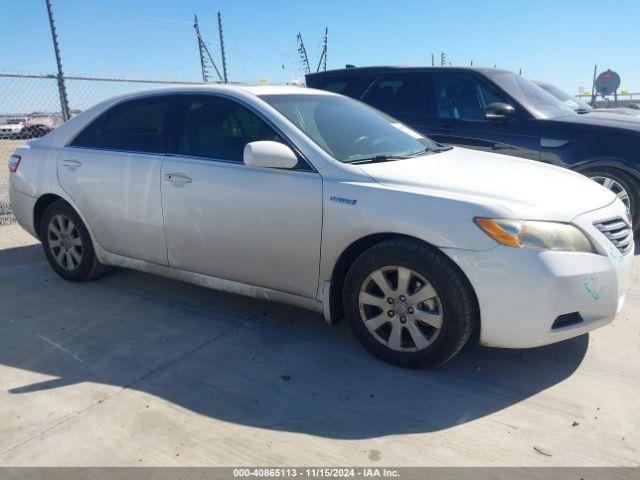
(314, 199)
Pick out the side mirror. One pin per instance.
(268, 154)
(498, 111)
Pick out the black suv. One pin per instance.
(498, 111)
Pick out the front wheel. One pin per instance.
(408, 304)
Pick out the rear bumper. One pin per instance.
(521, 293)
(23, 206)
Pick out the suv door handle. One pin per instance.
(446, 127)
(176, 178)
(71, 163)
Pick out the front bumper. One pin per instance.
(522, 292)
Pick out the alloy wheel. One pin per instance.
(65, 242)
(400, 308)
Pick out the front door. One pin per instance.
(257, 226)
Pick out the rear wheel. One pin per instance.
(623, 185)
(67, 244)
(408, 304)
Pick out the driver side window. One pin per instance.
(462, 96)
(217, 128)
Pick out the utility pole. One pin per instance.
(323, 56)
(443, 59)
(593, 87)
(224, 58)
(205, 75)
(432, 60)
(205, 50)
(302, 51)
(62, 89)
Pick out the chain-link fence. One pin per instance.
(30, 107)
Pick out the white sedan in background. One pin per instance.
(317, 200)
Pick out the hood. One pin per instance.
(596, 120)
(528, 189)
(607, 112)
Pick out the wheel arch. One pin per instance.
(41, 205)
(626, 166)
(356, 248)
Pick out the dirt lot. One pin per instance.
(133, 369)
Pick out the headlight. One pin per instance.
(536, 235)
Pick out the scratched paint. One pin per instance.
(616, 255)
(591, 286)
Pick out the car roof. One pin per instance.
(392, 68)
(238, 90)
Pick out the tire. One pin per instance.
(67, 244)
(444, 322)
(615, 180)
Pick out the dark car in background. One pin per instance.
(498, 111)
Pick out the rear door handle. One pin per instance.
(177, 178)
(71, 163)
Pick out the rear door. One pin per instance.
(459, 100)
(111, 171)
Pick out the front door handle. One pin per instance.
(71, 164)
(177, 178)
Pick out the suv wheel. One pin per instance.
(408, 304)
(623, 186)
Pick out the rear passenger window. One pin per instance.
(133, 126)
(137, 126)
(217, 128)
(398, 95)
(90, 137)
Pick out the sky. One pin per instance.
(556, 41)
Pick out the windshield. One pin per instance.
(349, 130)
(564, 97)
(538, 101)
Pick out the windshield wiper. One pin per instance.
(389, 158)
(376, 159)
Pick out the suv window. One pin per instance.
(135, 126)
(214, 127)
(462, 96)
(350, 85)
(399, 95)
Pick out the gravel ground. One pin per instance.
(7, 147)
